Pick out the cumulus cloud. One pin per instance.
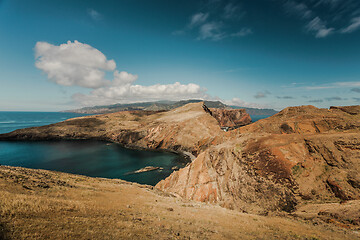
(123, 78)
(79, 64)
(73, 64)
(137, 93)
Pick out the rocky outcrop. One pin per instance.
(353, 110)
(233, 118)
(145, 169)
(221, 175)
(301, 154)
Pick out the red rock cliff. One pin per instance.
(231, 118)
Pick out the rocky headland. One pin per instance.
(302, 162)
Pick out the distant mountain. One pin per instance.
(164, 106)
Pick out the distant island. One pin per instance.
(165, 106)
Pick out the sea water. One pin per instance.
(90, 158)
(255, 118)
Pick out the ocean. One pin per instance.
(255, 118)
(90, 158)
(10, 121)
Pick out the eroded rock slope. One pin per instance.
(302, 154)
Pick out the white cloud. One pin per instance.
(242, 33)
(319, 27)
(137, 93)
(211, 31)
(348, 84)
(214, 21)
(232, 11)
(73, 64)
(317, 14)
(198, 19)
(318, 87)
(333, 85)
(299, 9)
(330, 3)
(355, 25)
(123, 78)
(240, 103)
(79, 64)
(94, 14)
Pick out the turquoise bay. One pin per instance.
(90, 158)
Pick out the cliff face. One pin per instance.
(301, 154)
(231, 118)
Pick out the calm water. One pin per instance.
(90, 158)
(255, 118)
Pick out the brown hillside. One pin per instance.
(38, 204)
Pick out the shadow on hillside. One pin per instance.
(3, 232)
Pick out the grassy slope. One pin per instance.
(38, 204)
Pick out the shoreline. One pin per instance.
(181, 157)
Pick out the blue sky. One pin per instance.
(57, 55)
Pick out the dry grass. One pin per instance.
(37, 204)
